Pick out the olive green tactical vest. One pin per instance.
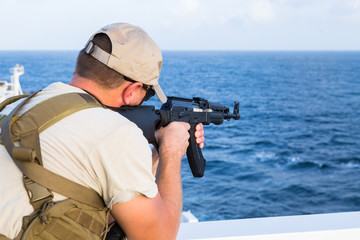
(83, 215)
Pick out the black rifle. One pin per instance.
(192, 111)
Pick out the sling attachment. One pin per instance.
(37, 193)
(39, 181)
(24, 154)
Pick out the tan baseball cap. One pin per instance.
(134, 54)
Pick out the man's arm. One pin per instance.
(159, 217)
(155, 160)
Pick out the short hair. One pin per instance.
(88, 67)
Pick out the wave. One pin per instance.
(285, 160)
(351, 162)
(308, 164)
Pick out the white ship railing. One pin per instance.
(339, 226)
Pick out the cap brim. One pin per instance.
(159, 93)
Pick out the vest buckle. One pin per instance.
(36, 191)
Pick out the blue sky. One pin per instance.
(185, 24)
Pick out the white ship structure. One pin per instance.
(12, 88)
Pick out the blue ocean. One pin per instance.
(295, 149)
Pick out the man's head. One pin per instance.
(121, 52)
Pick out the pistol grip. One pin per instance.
(194, 155)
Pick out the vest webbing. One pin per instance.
(27, 156)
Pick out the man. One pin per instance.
(100, 149)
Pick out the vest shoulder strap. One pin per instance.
(6, 102)
(10, 100)
(27, 156)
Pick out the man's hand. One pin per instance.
(200, 139)
(199, 134)
(174, 139)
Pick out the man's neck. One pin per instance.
(110, 97)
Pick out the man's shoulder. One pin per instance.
(53, 90)
(104, 118)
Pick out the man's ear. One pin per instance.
(131, 93)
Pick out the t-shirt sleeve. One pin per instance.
(125, 170)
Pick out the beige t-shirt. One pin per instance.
(95, 147)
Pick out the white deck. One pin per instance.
(343, 226)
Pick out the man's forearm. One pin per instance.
(155, 160)
(168, 179)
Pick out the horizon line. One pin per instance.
(199, 50)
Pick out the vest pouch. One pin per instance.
(69, 220)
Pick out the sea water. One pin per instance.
(295, 149)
